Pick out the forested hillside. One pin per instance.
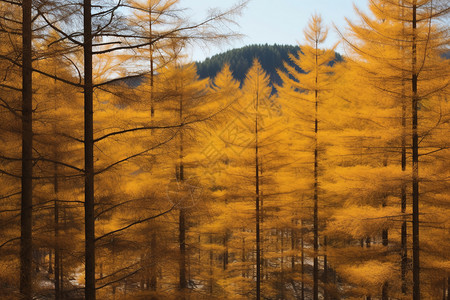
(277, 173)
(240, 60)
(272, 58)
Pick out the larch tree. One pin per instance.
(27, 155)
(309, 86)
(10, 170)
(248, 147)
(104, 22)
(408, 39)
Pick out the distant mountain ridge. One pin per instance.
(240, 60)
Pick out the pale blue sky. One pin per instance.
(276, 21)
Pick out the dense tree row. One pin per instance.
(124, 175)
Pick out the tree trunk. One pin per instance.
(448, 288)
(50, 261)
(302, 261)
(182, 242)
(257, 210)
(61, 274)
(57, 256)
(182, 216)
(243, 256)
(282, 284)
(211, 270)
(225, 254)
(415, 162)
(325, 271)
(88, 157)
(316, 197)
(404, 241)
(27, 156)
(293, 246)
(404, 236)
(384, 291)
(56, 233)
(154, 266)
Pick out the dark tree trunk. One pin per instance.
(293, 246)
(282, 284)
(61, 274)
(225, 254)
(88, 157)
(384, 291)
(404, 241)
(154, 265)
(182, 216)
(182, 243)
(316, 187)
(243, 257)
(61, 258)
(50, 261)
(27, 157)
(444, 288)
(302, 261)
(211, 271)
(415, 161)
(385, 288)
(57, 256)
(257, 210)
(448, 288)
(325, 271)
(385, 237)
(56, 233)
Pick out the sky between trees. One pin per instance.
(280, 22)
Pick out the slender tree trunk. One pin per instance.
(152, 71)
(243, 256)
(325, 271)
(282, 284)
(415, 161)
(154, 265)
(444, 288)
(61, 274)
(225, 254)
(293, 246)
(302, 261)
(57, 256)
(27, 156)
(211, 270)
(182, 216)
(404, 236)
(448, 288)
(385, 243)
(316, 197)
(50, 261)
(385, 291)
(182, 243)
(385, 237)
(56, 220)
(258, 245)
(88, 157)
(368, 241)
(61, 256)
